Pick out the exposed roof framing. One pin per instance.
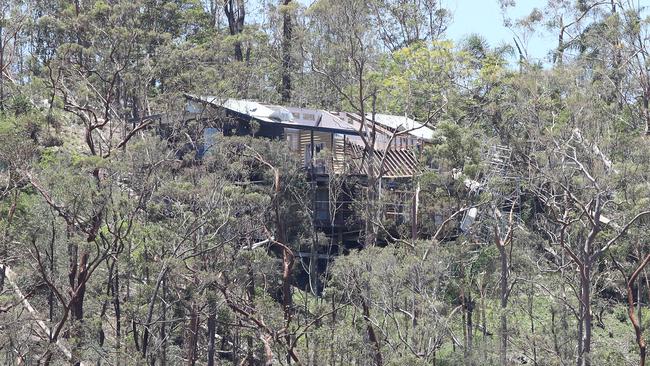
(398, 163)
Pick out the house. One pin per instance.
(311, 133)
(330, 145)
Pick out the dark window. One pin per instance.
(321, 209)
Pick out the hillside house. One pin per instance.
(330, 144)
(312, 132)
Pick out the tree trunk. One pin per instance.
(50, 296)
(145, 336)
(372, 207)
(531, 299)
(287, 35)
(414, 212)
(235, 13)
(2, 62)
(80, 290)
(638, 332)
(118, 314)
(77, 294)
(646, 108)
(559, 53)
(467, 323)
(372, 336)
(191, 339)
(109, 290)
(636, 322)
(163, 326)
(616, 64)
(287, 300)
(504, 304)
(2, 281)
(470, 328)
(585, 286)
(212, 325)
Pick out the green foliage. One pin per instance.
(189, 248)
(455, 147)
(414, 80)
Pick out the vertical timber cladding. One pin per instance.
(322, 149)
(338, 153)
(293, 140)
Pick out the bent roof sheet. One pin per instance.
(242, 106)
(316, 118)
(269, 113)
(402, 123)
(319, 118)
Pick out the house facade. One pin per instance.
(330, 144)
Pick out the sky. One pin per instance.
(484, 17)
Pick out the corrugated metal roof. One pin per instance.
(314, 117)
(243, 106)
(279, 114)
(318, 118)
(402, 123)
(397, 162)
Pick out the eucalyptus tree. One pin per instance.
(398, 297)
(88, 74)
(402, 23)
(287, 42)
(348, 56)
(345, 54)
(635, 72)
(573, 171)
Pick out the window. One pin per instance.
(321, 209)
(318, 147)
(209, 138)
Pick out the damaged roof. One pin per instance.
(398, 163)
(317, 119)
(403, 123)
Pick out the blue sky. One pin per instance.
(485, 18)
